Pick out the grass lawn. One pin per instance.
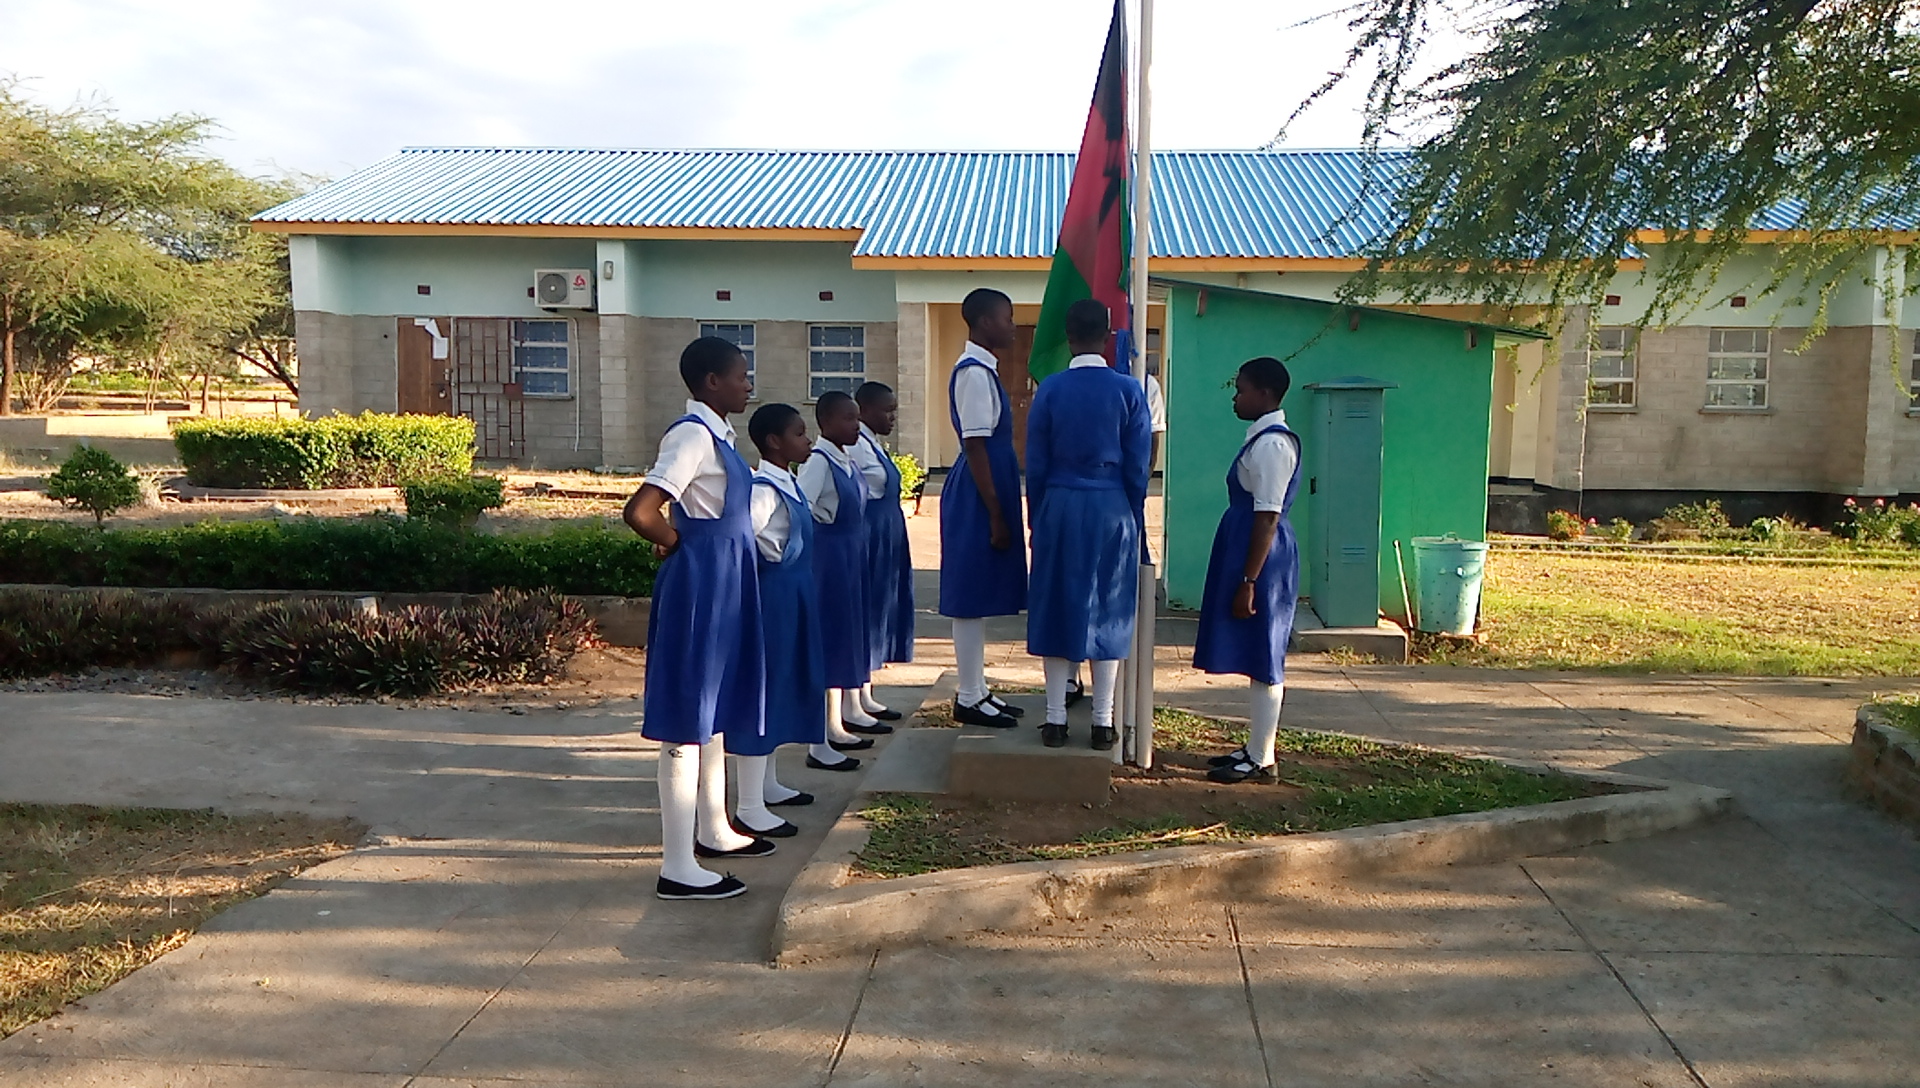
(1326, 782)
(1553, 610)
(1903, 711)
(89, 895)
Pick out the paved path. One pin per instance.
(503, 933)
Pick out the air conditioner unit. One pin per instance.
(563, 288)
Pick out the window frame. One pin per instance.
(750, 349)
(1913, 379)
(814, 376)
(1764, 381)
(1629, 354)
(515, 343)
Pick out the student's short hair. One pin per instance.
(872, 393)
(705, 356)
(769, 420)
(1088, 318)
(980, 302)
(1268, 373)
(829, 402)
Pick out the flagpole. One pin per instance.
(1141, 664)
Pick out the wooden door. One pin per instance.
(1020, 385)
(425, 383)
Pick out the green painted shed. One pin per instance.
(1437, 416)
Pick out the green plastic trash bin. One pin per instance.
(1448, 572)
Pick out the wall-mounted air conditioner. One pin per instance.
(563, 288)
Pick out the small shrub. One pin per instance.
(454, 500)
(95, 481)
(913, 475)
(1619, 530)
(1564, 525)
(1881, 522)
(368, 450)
(1706, 518)
(42, 633)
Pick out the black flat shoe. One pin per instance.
(726, 888)
(1104, 738)
(983, 713)
(1238, 755)
(874, 730)
(886, 714)
(1054, 734)
(796, 801)
(758, 848)
(847, 764)
(784, 830)
(850, 745)
(1005, 707)
(1075, 693)
(1243, 770)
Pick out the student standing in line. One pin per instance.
(790, 621)
(983, 556)
(1088, 443)
(1246, 609)
(706, 670)
(889, 561)
(833, 488)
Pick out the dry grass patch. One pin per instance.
(1552, 610)
(89, 895)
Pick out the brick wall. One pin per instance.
(566, 433)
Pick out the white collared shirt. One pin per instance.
(1267, 467)
(975, 400)
(772, 525)
(866, 455)
(816, 480)
(1081, 361)
(1156, 405)
(689, 469)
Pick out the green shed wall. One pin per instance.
(1436, 421)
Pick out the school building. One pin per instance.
(547, 294)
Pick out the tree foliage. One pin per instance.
(123, 241)
(1573, 128)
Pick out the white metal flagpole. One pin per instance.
(1139, 673)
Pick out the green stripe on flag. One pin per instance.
(1065, 286)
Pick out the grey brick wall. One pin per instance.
(566, 433)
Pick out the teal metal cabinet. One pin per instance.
(1343, 489)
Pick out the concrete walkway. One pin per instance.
(505, 934)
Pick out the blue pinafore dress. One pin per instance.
(1256, 647)
(976, 579)
(796, 665)
(890, 571)
(840, 572)
(706, 669)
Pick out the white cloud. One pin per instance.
(330, 89)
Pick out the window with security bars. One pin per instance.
(543, 358)
(1913, 382)
(1612, 369)
(1737, 367)
(836, 358)
(740, 334)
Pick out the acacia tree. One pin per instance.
(1575, 131)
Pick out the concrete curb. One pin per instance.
(823, 915)
(1885, 763)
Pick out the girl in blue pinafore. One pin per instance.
(1089, 437)
(838, 498)
(1246, 609)
(889, 562)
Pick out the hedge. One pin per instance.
(367, 450)
(378, 553)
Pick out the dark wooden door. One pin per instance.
(425, 383)
(1020, 385)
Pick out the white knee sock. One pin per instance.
(825, 753)
(1106, 676)
(1263, 720)
(679, 792)
(713, 829)
(1059, 674)
(970, 659)
(835, 730)
(771, 790)
(852, 711)
(867, 702)
(750, 780)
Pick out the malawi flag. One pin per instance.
(1090, 260)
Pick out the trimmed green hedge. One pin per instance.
(367, 450)
(375, 554)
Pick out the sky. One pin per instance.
(324, 89)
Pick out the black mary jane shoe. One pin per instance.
(1005, 707)
(847, 764)
(850, 745)
(799, 800)
(1075, 693)
(783, 830)
(1105, 737)
(1242, 770)
(758, 848)
(1238, 755)
(1054, 734)
(982, 713)
(874, 730)
(886, 714)
(725, 888)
